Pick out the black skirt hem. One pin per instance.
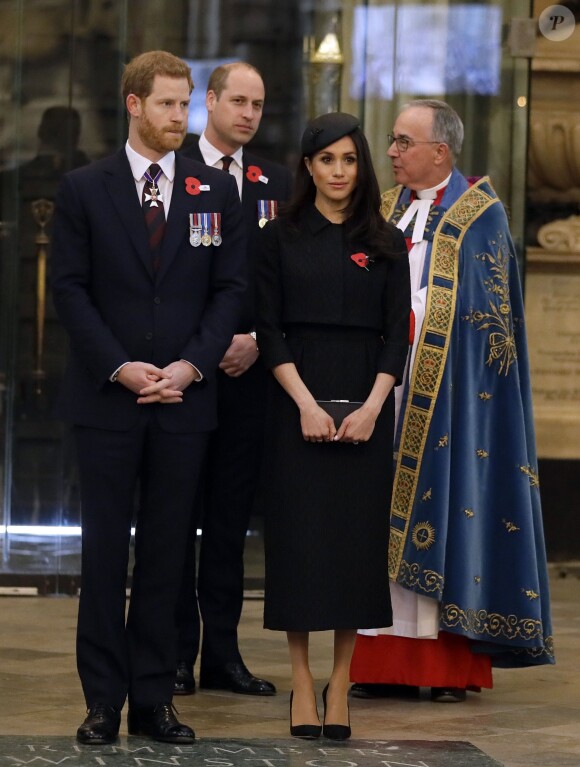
(378, 625)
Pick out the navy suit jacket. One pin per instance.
(278, 188)
(116, 309)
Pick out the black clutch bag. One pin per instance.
(338, 409)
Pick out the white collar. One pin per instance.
(212, 156)
(431, 193)
(420, 208)
(140, 164)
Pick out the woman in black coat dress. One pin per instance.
(333, 324)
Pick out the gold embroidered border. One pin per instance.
(389, 200)
(483, 623)
(430, 360)
(413, 575)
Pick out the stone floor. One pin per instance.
(530, 718)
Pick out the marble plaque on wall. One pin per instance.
(553, 328)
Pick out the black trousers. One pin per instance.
(223, 510)
(133, 655)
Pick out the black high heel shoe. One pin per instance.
(303, 730)
(335, 731)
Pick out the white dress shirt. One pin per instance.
(212, 156)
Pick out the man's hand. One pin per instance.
(240, 356)
(135, 376)
(169, 389)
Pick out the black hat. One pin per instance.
(325, 130)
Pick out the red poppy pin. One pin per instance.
(254, 174)
(192, 185)
(361, 259)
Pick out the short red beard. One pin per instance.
(158, 139)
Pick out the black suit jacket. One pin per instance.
(116, 309)
(278, 188)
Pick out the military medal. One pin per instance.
(154, 196)
(216, 237)
(194, 230)
(267, 211)
(206, 225)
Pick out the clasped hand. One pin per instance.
(318, 426)
(152, 384)
(240, 356)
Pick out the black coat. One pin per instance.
(307, 278)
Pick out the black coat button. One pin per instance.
(156, 300)
(148, 336)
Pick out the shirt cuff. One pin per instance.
(197, 370)
(115, 375)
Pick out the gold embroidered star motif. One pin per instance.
(423, 535)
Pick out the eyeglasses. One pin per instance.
(403, 142)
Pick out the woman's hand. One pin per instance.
(358, 426)
(317, 425)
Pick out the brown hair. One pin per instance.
(140, 72)
(218, 79)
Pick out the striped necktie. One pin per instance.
(154, 212)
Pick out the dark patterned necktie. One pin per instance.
(154, 212)
(226, 162)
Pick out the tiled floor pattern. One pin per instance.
(530, 719)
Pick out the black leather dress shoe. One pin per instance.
(101, 725)
(159, 723)
(236, 678)
(184, 679)
(448, 694)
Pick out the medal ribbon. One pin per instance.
(267, 209)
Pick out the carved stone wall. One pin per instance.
(553, 253)
(553, 326)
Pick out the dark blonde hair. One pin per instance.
(140, 72)
(218, 79)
